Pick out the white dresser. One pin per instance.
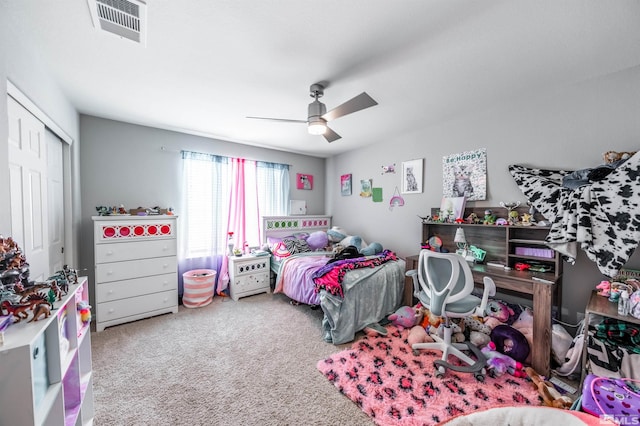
(136, 268)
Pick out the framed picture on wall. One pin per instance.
(412, 176)
(304, 181)
(345, 184)
(365, 188)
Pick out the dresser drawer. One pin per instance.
(107, 292)
(117, 271)
(116, 252)
(131, 306)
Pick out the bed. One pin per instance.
(352, 293)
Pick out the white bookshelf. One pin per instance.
(45, 367)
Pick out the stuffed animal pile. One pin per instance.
(505, 334)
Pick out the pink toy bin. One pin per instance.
(198, 287)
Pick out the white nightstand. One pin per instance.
(248, 275)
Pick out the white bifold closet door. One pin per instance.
(36, 182)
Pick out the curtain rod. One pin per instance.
(164, 148)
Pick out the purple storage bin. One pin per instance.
(538, 252)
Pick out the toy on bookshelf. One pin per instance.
(85, 312)
(18, 295)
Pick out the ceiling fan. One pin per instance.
(318, 117)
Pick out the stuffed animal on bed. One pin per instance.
(341, 239)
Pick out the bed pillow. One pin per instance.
(280, 251)
(296, 245)
(273, 242)
(318, 240)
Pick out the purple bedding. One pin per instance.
(300, 269)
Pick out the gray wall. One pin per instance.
(140, 166)
(566, 128)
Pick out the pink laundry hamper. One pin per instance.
(198, 287)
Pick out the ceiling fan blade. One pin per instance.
(330, 135)
(286, 120)
(358, 103)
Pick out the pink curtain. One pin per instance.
(238, 215)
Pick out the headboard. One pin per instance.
(282, 226)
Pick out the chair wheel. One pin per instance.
(416, 352)
(440, 370)
(479, 377)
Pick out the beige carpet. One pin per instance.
(251, 362)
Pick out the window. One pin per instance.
(224, 194)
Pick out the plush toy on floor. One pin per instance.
(499, 363)
(428, 319)
(457, 331)
(406, 317)
(418, 334)
(548, 392)
(501, 311)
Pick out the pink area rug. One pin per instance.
(394, 387)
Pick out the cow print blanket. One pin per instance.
(602, 216)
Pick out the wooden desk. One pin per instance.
(518, 282)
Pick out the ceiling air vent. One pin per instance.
(124, 18)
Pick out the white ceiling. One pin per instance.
(209, 64)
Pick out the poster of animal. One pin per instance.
(465, 175)
(412, 176)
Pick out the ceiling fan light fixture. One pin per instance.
(317, 127)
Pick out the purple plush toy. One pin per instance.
(406, 317)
